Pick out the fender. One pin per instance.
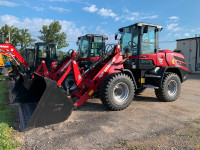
(127, 71)
(183, 74)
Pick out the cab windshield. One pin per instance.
(83, 44)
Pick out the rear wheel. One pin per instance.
(170, 89)
(117, 91)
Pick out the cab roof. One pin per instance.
(140, 24)
(95, 35)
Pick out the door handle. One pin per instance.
(143, 56)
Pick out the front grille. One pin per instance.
(179, 58)
(182, 64)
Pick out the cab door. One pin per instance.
(148, 54)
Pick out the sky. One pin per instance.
(179, 18)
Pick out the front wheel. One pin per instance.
(170, 89)
(117, 91)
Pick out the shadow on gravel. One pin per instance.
(194, 77)
(91, 106)
(145, 99)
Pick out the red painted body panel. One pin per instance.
(93, 79)
(163, 58)
(9, 49)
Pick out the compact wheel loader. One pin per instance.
(135, 64)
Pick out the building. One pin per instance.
(190, 48)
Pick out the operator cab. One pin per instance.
(90, 48)
(41, 51)
(139, 43)
(46, 52)
(137, 40)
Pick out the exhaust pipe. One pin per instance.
(42, 103)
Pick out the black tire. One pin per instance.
(166, 92)
(68, 83)
(139, 91)
(108, 96)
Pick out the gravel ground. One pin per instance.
(93, 127)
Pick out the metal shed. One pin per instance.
(190, 48)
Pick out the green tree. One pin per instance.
(25, 39)
(52, 34)
(14, 34)
(61, 54)
(18, 37)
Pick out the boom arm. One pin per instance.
(11, 50)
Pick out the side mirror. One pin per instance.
(145, 30)
(116, 36)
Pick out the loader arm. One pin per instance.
(11, 50)
(96, 74)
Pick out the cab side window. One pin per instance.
(148, 41)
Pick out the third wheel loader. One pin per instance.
(133, 64)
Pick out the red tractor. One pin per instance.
(116, 76)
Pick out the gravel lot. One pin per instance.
(93, 127)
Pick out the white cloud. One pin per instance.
(172, 26)
(177, 35)
(59, 9)
(35, 24)
(106, 12)
(8, 3)
(177, 29)
(150, 17)
(136, 16)
(187, 34)
(38, 8)
(92, 8)
(174, 18)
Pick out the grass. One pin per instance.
(7, 140)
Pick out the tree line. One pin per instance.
(22, 39)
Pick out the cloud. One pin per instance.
(35, 24)
(38, 8)
(136, 16)
(59, 9)
(171, 26)
(92, 8)
(73, 1)
(126, 16)
(8, 3)
(187, 34)
(106, 12)
(174, 18)
(102, 12)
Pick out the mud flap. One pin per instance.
(45, 104)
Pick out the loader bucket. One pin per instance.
(18, 84)
(45, 104)
(19, 90)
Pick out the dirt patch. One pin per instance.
(187, 137)
(146, 123)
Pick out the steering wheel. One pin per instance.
(134, 44)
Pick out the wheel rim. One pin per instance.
(172, 87)
(120, 92)
(70, 83)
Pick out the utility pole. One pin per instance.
(9, 35)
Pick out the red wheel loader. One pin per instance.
(135, 64)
